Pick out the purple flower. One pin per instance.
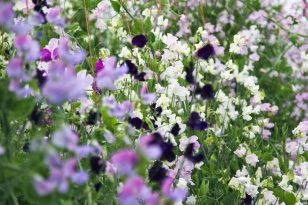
(45, 55)
(151, 150)
(80, 177)
(106, 77)
(28, 47)
(6, 14)
(176, 195)
(135, 192)
(54, 17)
(42, 187)
(99, 65)
(206, 52)
(124, 160)
(62, 84)
(195, 123)
(21, 92)
(139, 41)
(148, 98)
(65, 138)
(70, 58)
(15, 69)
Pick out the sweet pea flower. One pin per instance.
(124, 160)
(135, 192)
(62, 84)
(6, 14)
(252, 159)
(177, 194)
(105, 78)
(65, 138)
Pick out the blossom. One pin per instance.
(139, 41)
(252, 159)
(124, 161)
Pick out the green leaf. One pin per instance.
(115, 5)
(137, 27)
(147, 25)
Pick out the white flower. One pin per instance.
(251, 190)
(191, 200)
(252, 159)
(241, 151)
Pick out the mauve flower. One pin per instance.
(71, 58)
(15, 70)
(21, 92)
(124, 160)
(177, 194)
(151, 150)
(62, 84)
(53, 16)
(42, 187)
(148, 98)
(65, 138)
(135, 192)
(28, 47)
(105, 78)
(139, 41)
(80, 177)
(6, 14)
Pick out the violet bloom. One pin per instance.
(99, 65)
(117, 110)
(124, 160)
(42, 186)
(139, 41)
(54, 17)
(19, 90)
(65, 138)
(6, 14)
(15, 70)
(152, 151)
(177, 194)
(148, 98)
(194, 122)
(45, 55)
(70, 58)
(135, 192)
(106, 77)
(28, 47)
(62, 84)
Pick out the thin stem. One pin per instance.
(88, 31)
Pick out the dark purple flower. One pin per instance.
(139, 41)
(97, 165)
(189, 154)
(189, 74)
(135, 122)
(175, 129)
(132, 68)
(157, 173)
(166, 147)
(40, 77)
(206, 52)
(98, 186)
(45, 55)
(195, 123)
(206, 92)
